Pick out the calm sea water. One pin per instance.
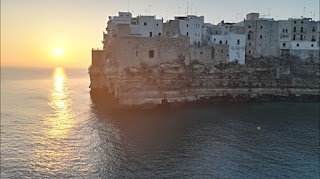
(51, 128)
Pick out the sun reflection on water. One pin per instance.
(54, 151)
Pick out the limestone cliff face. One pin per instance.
(175, 82)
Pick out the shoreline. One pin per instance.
(100, 96)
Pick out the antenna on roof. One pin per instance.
(187, 8)
(128, 6)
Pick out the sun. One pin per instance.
(58, 52)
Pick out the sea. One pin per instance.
(51, 128)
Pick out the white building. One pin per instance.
(143, 26)
(192, 26)
(234, 37)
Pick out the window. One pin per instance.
(220, 42)
(214, 40)
(187, 25)
(282, 30)
(261, 27)
(216, 32)
(187, 33)
(284, 44)
(313, 29)
(226, 42)
(295, 22)
(145, 24)
(298, 45)
(201, 53)
(311, 45)
(238, 42)
(150, 34)
(249, 36)
(301, 22)
(151, 53)
(157, 24)
(249, 51)
(260, 36)
(249, 44)
(294, 29)
(159, 34)
(286, 30)
(249, 27)
(294, 37)
(221, 51)
(301, 37)
(301, 29)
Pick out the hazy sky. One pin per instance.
(32, 29)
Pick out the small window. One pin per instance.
(216, 32)
(159, 34)
(221, 51)
(284, 44)
(294, 29)
(286, 30)
(201, 53)
(226, 42)
(187, 25)
(187, 33)
(214, 40)
(313, 29)
(282, 30)
(157, 24)
(311, 45)
(220, 42)
(300, 37)
(249, 27)
(127, 15)
(249, 36)
(249, 51)
(295, 22)
(298, 45)
(150, 34)
(238, 42)
(294, 37)
(301, 29)
(261, 27)
(260, 36)
(145, 24)
(151, 53)
(301, 22)
(249, 44)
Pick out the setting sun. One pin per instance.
(58, 52)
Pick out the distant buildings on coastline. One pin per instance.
(189, 38)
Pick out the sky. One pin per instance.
(32, 31)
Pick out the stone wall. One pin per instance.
(132, 51)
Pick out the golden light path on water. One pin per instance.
(54, 151)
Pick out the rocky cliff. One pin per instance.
(177, 83)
